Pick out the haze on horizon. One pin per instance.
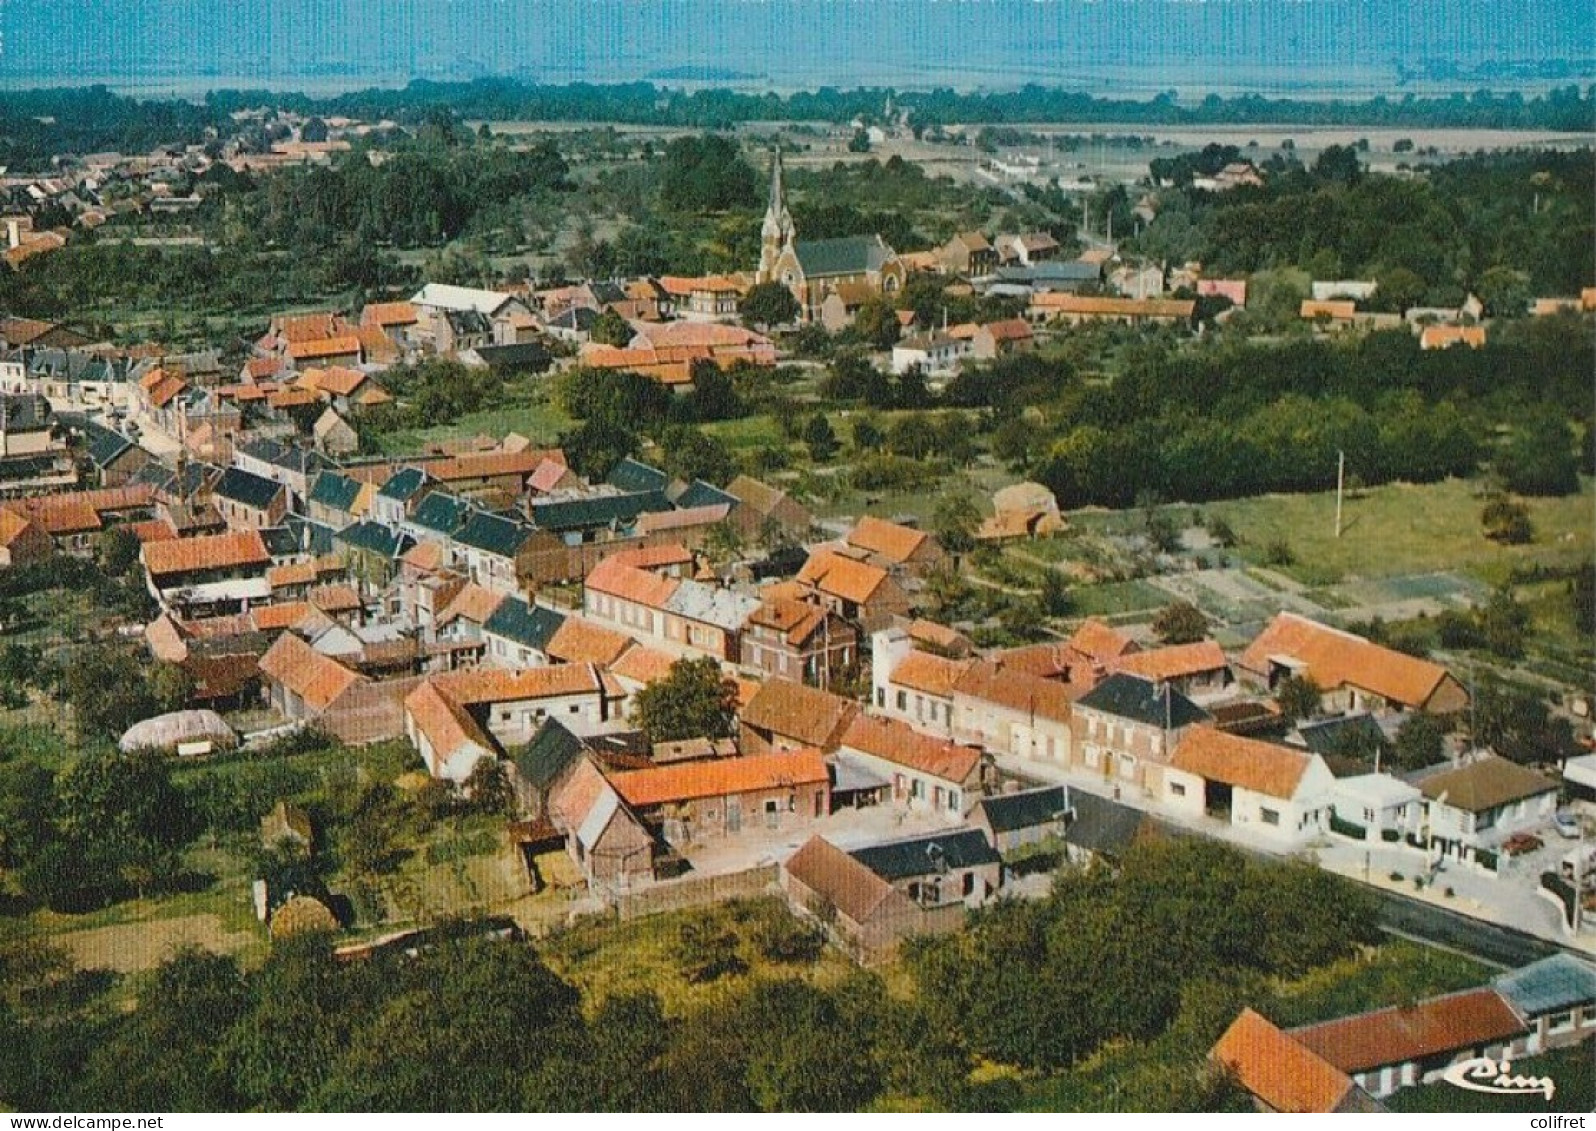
(1115, 47)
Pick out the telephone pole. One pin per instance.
(1341, 478)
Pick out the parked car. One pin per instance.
(1567, 825)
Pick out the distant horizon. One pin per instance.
(1310, 49)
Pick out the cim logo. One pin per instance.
(1482, 1074)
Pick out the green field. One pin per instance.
(605, 958)
(540, 421)
(1406, 528)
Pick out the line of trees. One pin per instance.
(1152, 960)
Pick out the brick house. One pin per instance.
(1126, 729)
(694, 801)
(925, 773)
(1354, 674)
(783, 715)
(797, 640)
(958, 868)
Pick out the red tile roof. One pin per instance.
(1246, 763)
(901, 744)
(842, 577)
(343, 345)
(1334, 658)
(889, 540)
(934, 675)
(799, 712)
(723, 777)
(318, 680)
(617, 579)
(491, 685)
(388, 314)
(578, 641)
(1397, 1035)
(1015, 691)
(211, 551)
(1097, 640)
(854, 890)
(1282, 1073)
(1173, 662)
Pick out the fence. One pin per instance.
(673, 895)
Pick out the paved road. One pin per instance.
(1497, 945)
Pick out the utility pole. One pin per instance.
(1341, 477)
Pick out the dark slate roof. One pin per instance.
(375, 538)
(1025, 810)
(607, 292)
(529, 625)
(928, 855)
(1551, 985)
(1061, 270)
(701, 494)
(1104, 827)
(529, 357)
(552, 749)
(24, 412)
(579, 318)
(1341, 734)
(601, 510)
(493, 533)
(335, 490)
(846, 255)
(103, 445)
(281, 541)
(403, 483)
(286, 456)
(468, 322)
(245, 487)
(631, 475)
(309, 537)
(1142, 701)
(441, 512)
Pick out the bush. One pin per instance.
(1397, 877)
(1279, 553)
(1348, 829)
(1390, 835)
(1486, 858)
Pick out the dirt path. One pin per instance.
(127, 947)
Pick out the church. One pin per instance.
(841, 270)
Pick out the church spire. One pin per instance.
(777, 232)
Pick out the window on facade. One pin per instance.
(1561, 1022)
(881, 697)
(1177, 789)
(1270, 816)
(903, 700)
(1368, 816)
(953, 800)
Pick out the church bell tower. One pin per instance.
(776, 234)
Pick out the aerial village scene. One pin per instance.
(657, 588)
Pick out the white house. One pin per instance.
(1474, 807)
(1379, 803)
(1281, 792)
(937, 355)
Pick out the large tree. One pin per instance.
(1180, 622)
(768, 304)
(695, 700)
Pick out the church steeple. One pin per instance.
(777, 232)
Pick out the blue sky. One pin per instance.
(1128, 46)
